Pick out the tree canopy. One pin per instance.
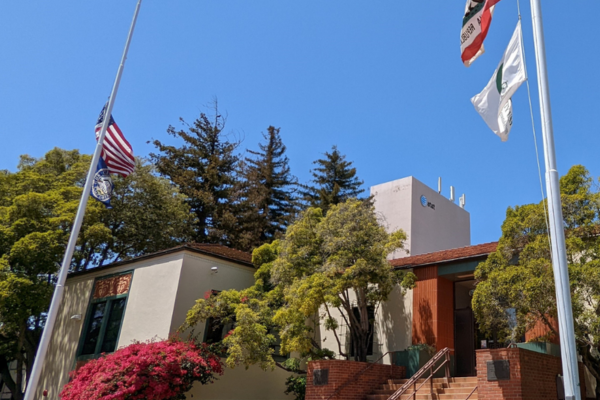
(323, 265)
(267, 190)
(37, 208)
(204, 169)
(515, 289)
(334, 181)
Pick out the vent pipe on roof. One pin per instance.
(461, 201)
(440, 185)
(452, 194)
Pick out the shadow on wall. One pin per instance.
(394, 330)
(425, 332)
(60, 358)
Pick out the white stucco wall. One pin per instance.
(151, 300)
(60, 359)
(196, 279)
(398, 203)
(393, 327)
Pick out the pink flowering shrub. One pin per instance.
(162, 370)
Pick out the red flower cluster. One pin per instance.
(162, 370)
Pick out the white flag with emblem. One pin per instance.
(494, 103)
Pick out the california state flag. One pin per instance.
(476, 23)
(494, 103)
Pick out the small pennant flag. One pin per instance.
(116, 150)
(494, 102)
(102, 187)
(475, 26)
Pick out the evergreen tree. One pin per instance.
(204, 170)
(334, 181)
(268, 191)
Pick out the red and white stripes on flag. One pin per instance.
(116, 150)
(475, 26)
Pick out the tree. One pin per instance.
(337, 262)
(36, 212)
(162, 370)
(204, 170)
(267, 191)
(515, 289)
(148, 215)
(334, 181)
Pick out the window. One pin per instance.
(216, 331)
(371, 316)
(102, 325)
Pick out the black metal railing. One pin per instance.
(445, 354)
(470, 394)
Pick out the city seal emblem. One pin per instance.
(102, 186)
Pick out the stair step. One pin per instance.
(424, 396)
(442, 380)
(455, 389)
(426, 390)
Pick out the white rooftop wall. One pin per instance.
(438, 224)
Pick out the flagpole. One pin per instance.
(557, 234)
(33, 380)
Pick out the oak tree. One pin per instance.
(515, 289)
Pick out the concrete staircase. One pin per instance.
(455, 389)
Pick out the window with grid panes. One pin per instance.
(104, 317)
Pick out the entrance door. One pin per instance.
(464, 342)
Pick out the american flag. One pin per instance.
(116, 150)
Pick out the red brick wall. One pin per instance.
(342, 371)
(532, 375)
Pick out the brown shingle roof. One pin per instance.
(213, 250)
(221, 252)
(477, 250)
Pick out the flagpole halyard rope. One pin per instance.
(537, 153)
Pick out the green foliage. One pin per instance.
(37, 207)
(322, 263)
(516, 283)
(203, 167)
(422, 346)
(266, 192)
(334, 181)
(296, 385)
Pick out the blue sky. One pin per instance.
(382, 80)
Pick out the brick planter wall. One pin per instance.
(341, 371)
(532, 375)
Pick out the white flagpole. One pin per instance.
(33, 380)
(559, 255)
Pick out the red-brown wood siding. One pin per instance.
(540, 329)
(433, 309)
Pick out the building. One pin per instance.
(148, 297)
(431, 221)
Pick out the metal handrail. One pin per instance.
(470, 394)
(445, 352)
(353, 378)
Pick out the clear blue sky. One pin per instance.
(382, 80)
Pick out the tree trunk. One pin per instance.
(6, 376)
(593, 365)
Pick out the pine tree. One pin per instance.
(268, 190)
(334, 181)
(204, 170)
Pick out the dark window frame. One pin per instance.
(109, 301)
